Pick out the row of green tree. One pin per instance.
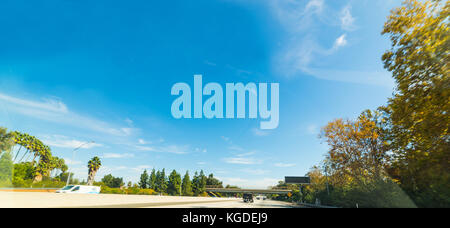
(397, 155)
(175, 185)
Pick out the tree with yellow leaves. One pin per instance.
(356, 165)
(418, 114)
(357, 149)
(407, 141)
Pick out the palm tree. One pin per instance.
(6, 140)
(93, 165)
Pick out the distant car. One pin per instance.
(248, 198)
(79, 189)
(261, 197)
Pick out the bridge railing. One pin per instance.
(255, 191)
(214, 186)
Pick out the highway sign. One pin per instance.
(297, 180)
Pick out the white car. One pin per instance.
(261, 197)
(76, 189)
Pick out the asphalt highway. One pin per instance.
(55, 200)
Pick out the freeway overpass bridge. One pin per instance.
(289, 179)
(254, 191)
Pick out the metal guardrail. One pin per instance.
(309, 205)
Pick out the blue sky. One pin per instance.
(76, 71)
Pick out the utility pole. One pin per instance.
(300, 193)
(326, 178)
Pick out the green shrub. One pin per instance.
(20, 183)
(130, 191)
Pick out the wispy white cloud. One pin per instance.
(51, 105)
(284, 165)
(145, 148)
(71, 162)
(200, 150)
(298, 55)
(304, 22)
(312, 129)
(226, 139)
(314, 6)
(340, 42)
(239, 72)
(143, 142)
(380, 78)
(56, 111)
(259, 132)
(243, 159)
(235, 148)
(141, 168)
(127, 130)
(117, 155)
(234, 180)
(297, 15)
(259, 183)
(146, 142)
(346, 19)
(172, 149)
(246, 154)
(231, 145)
(67, 142)
(209, 63)
(240, 155)
(129, 121)
(255, 171)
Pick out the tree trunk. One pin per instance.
(91, 178)
(37, 178)
(26, 152)
(17, 154)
